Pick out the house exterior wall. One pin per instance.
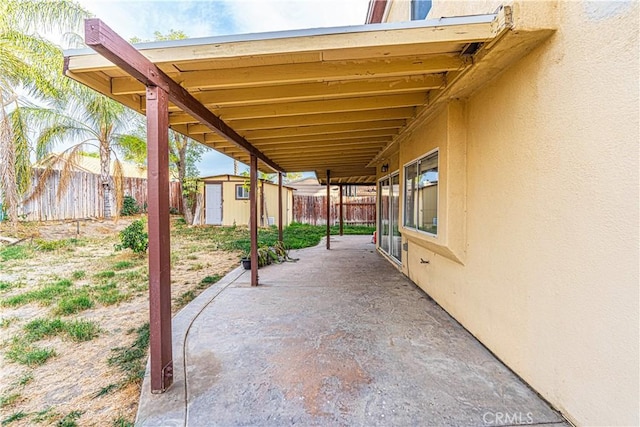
(537, 246)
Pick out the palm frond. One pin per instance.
(32, 62)
(44, 16)
(118, 183)
(22, 163)
(71, 160)
(133, 146)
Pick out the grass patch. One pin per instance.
(109, 294)
(25, 379)
(74, 304)
(122, 422)
(23, 350)
(14, 417)
(42, 328)
(81, 330)
(295, 236)
(196, 267)
(106, 390)
(78, 274)
(15, 252)
(131, 360)
(210, 280)
(28, 354)
(7, 321)
(76, 330)
(5, 286)
(105, 274)
(185, 298)
(69, 420)
(9, 399)
(46, 415)
(45, 295)
(51, 245)
(122, 265)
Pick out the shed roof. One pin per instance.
(333, 99)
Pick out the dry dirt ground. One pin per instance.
(65, 388)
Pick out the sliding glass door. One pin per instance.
(389, 210)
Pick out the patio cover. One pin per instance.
(322, 99)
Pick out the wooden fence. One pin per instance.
(83, 198)
(313, 210)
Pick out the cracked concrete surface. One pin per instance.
(338, 338)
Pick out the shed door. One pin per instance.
(213, 203)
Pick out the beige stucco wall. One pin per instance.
(537, 254)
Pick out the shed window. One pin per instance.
(421, 194)
(242, 192)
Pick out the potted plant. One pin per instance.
(246, 261)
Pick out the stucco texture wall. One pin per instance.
(546, 189)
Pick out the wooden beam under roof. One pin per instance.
(113, 47)
(324, 118)
(322, 71)
(308, 130)
(300, 91)
(320, 107)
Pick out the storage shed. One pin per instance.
(226, 201)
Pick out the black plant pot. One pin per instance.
(246, 263)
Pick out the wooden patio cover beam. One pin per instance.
(117, 50)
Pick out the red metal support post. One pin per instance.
(328, 209)
(341, 212)
(159, 241)
(280, 238)
(253, 218)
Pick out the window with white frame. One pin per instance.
(242, 192)
(421, 194)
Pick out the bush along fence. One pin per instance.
(355, 210)
(83, 198)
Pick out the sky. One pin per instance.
(202, 18)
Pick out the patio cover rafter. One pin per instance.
(113, 47)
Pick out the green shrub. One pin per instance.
(129, 206)
(134, 237)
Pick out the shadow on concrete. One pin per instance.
(338, 338)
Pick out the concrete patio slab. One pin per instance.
(338, 338)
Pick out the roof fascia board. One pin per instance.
(323, 39)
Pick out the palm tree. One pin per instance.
(89, 118)
(29, 67)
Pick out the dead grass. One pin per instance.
(73, 294)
